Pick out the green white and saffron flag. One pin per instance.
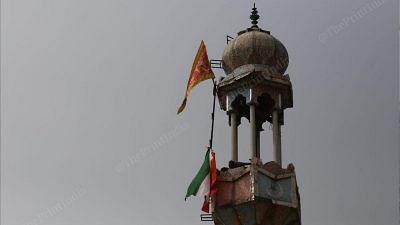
(203, 184)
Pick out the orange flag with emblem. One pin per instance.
(201, 70)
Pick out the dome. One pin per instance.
(255, 46)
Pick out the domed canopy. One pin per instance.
(255, 63)
(255, 46)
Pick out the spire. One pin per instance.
(254, 17)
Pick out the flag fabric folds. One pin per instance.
(204, 183)
(201, 70)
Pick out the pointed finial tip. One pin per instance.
(254, 17)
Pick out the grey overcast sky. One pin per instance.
(90, 89)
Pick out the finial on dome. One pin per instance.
(254, 17)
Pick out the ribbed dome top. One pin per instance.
(255, 46)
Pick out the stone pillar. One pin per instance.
(253, 141)
(234, 135)
(276, 129)
(258, 144)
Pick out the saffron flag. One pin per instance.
(201, 70)
(204, 183)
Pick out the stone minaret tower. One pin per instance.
(255, 87)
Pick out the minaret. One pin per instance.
(256, 87)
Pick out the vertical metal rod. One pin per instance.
(253, 144)
(210, 200)
(276, 129)
(234, 136)
(213, 113)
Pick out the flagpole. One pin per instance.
(211, 138)
(213, 113)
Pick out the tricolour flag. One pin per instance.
(204, 183)
(201, 70)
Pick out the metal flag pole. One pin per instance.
(213, 113)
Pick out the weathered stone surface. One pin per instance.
(257, 194)
(255, 46)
